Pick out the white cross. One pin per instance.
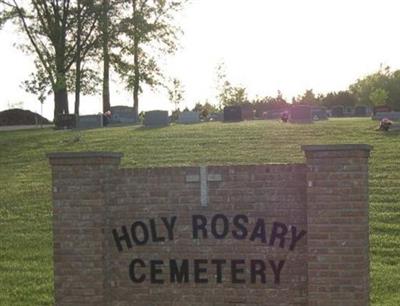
(203, 178)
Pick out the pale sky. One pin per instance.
(266, 45)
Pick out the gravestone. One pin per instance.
(394, 116)
(65, 121)
(123, 114)
(300, 114)
(261, 110)
(382, 109)
(273, 114)
(216, 117)
(319, 113)
(156, 118)
(188, 117)
(348, 111)
(90, 122)
(261, 235)
(232, 114)
(361, 111)
(337, 111)
(247, 113)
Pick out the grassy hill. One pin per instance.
(26, 276)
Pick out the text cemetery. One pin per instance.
(218, 226)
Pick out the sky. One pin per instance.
(266, 46)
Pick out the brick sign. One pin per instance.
(280, 234)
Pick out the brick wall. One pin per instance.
(293, 234)
(337, 217)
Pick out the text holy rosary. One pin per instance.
(218, 226)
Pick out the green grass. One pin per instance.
(26, 275)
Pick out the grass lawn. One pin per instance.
(26, 272)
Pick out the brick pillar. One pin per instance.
(79, 210)
(337, 217)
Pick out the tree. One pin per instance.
(106, 55)
(50, 27)
(175, 93)
(146, 30)
(382, 86)
(110, 18)
(308, 98)
(204, 109)
(364, 87)
(234, 95)
(227, 94)
(344, 98)
(223, 84)
(86, 18)
(269, 103)
(378, 97)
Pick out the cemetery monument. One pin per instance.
(272, 234)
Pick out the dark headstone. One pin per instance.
(188, 117)
(361, 111)
(300, 114)
(348, 111)
(90, 121)
(261, 111)
(232, 114)
(395, 116)
(215, 117)
(319, 113)
(247, 113)
(273, 114)
(337, 111)
(65, 121)
(382, 109)
(156, 118)
(123, 114)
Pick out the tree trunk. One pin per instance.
(106, 58)
(60, 88)
(136, 77)
(136, 82)
(78, 61)
(60, 102)
(77, 86)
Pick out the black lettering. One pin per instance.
(257, 267)
(169, 226)
(279, 230)
(259, 231)
(238, 221)
(196, 226)
(145, 231)
(198, 270)
(235, 271)
(179, 275)
(225, 224)
(277, 270)
(124, 237)
(153, 229)
(132, 274)
(154, 271)
(295, 237)
(218, 263)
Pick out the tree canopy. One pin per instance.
(53, 34)
(147, 31)
(66, 37)
(381, 87)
